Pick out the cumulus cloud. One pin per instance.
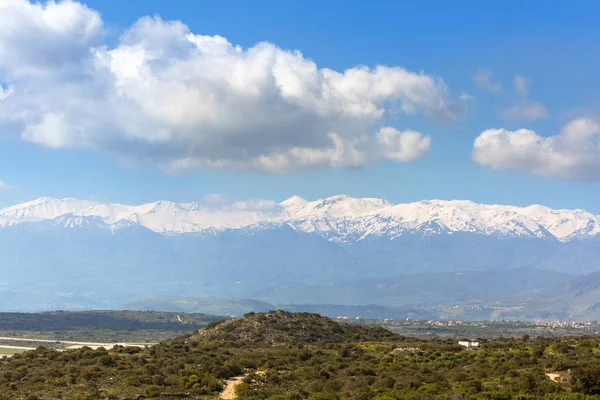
(41, 39)
(166, 95)
(574, 153)
(483, 79)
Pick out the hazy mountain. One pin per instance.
(238, 307)
(575, 300)
(339, 250)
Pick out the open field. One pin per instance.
(93, 327)
(10, 350)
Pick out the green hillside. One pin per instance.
(280, 355)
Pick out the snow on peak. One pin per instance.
(44, 208)
(339, 218)
(340, 206)
(293, 203)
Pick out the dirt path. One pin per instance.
(2, 346)
(229, 392)
(553, 377)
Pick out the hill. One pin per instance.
(284, 328)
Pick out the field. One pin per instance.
(100, 326)
(9, 351)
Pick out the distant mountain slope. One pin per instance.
(576, 300)
(238, 307)
(418, 290)
(211, 306)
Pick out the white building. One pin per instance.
(468, 344)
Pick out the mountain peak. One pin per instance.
(44, 208)
(341, 206)
(294, 203)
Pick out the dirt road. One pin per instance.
(2, 346)
(229, 392)
(75, 344)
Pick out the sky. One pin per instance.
(132, 102)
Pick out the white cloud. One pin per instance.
(5, 92)
(387, 144)
(523, 108)
(37, 39)
(521, 85)
(574, 153)
(220, 202)
(526, 110)
(6, 186)
(483, 79)
(163, 94)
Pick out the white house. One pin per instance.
(468, 344)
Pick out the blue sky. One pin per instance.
(552, 46)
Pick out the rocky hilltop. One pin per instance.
(283, 328)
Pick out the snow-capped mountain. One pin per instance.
(338, 250)
(42, 209)
(345, 218)
(339, 218)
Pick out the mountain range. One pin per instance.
(69, 253)
(339, 218)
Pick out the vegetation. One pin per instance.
(484, 329)
(305, 356)
(285, 328)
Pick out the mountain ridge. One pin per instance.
(338, 218)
